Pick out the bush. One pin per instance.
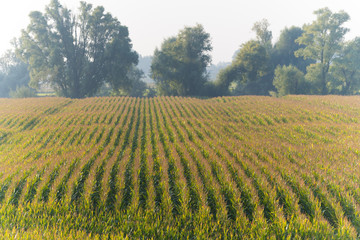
(289, 80)
(23, 92)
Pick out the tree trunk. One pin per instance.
(76, 89)
(324, 90)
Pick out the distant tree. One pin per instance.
(289, 80)
(138, 86)
(225, 78)
(179, 66)
(13, 73)
(285, 48)
(264, 37)
(76, 54)
(23, 92)
(313, 76)
(346, 68)
(145, 66)
(3, 88)
(247, 71)
(263, 34)
(322, 41)
(214, 69)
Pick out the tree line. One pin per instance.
(90, 53)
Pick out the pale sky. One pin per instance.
(229, 22)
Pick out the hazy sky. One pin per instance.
(229, 22)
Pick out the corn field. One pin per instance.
(172, 167)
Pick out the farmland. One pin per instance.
(173, 167)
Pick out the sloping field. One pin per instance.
(170, 167)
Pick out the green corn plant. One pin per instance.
(108, 137)
(16, 194)
(62, 187)
(74, 137)
(327, 209)
(95, 196)
(4, 187)
(113, 185)
(78, 188)
(143, 172)
(194, 197)
(45, 191)
(29, 196)
(347, 205)
(226, 190)
(174, 189)
(246, 199)
(91, 135)
(128, 190)
(99, 137)
(211, 196)
(157, 172)
(306, 206)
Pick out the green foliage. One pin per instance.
(113, 179)
(313, 77)
(23, 92)
(95, 195)
(247, 70)
(346, 69)
(45, 191)
(263, 34)
(14, 76)
(4, 187)
(325, 204)
(136, 87)
(143, 173)
(157, 171)
(322, 40)
(78, 189)
(16, 194)
(289, 80)
(285, 48)
(347, 205)
(29, 196)
(113, 188)
(188, 168)
(306, 205)
(179, 66)
(62, 187)
(75, 54)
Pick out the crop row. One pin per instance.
(274, 165)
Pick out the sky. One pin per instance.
(228, 22)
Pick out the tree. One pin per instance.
(247, 70)
(138, 86)
(179, 67)
(346, 68)
(289, 80)
(23, 92)
(285, 48)
(13, 74)
(263, 34)
(322, 40)
(313, 76)
(76, 54)
(145, 66)
(226, 77)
